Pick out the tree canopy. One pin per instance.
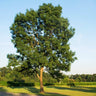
(42, 40)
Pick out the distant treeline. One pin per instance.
(84, 77)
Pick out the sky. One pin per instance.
(81, 15)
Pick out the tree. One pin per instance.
(79, 79)
(41, 38)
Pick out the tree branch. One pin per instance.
(38, 76)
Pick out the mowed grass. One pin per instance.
(54, 90)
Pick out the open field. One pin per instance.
(53, 90)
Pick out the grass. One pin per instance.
(54, 90)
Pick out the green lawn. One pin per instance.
(54, 90)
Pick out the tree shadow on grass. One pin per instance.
(24, 94)
(2, 90)
(34, 90)
(83, 89)
(4, 93)
(54, 94)
(37, 92)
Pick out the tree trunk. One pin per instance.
(41, 80)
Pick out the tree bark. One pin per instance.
(41, 80)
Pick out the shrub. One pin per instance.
(16, 80)
(49, 84)
(72, 84)
(19, 84)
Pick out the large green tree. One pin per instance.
(41, 38)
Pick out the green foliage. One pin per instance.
(3, 83)
(79, 79)
(84, 77)
(65, 80)
(48, 78)
(41, 37)
(16, 80)
(49, 84)
(72, 84)
(3, 71)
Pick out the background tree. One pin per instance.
(41, 37)
(3, 71)
(79, 79)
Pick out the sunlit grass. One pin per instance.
(72, 91)
(88, 90)
(15, 89)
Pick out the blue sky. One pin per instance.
(81, 15)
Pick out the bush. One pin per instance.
(18, 84)
(72, 84)
(49, 84)
(16, 80)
